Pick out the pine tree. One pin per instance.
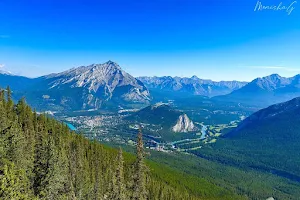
(13, 180)
(3, 112)
(2, 95)
(121, 195)
(40, 161)
(9, 104)
(139, 188)
(14, 143)
(117, 184)
(95, 172)
(112, 186)
(25, 119)
(56, 179)
(12, 183)
(79, 168)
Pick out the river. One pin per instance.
(71, 127)
(203, 131)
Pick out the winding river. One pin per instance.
(203, 132)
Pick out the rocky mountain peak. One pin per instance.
(107, 66)
(4, 72)
(195, 77)
(271, 82)
(184, 125)
(108, 75)
(100, 83)
(275, 76)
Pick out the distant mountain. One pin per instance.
(87, 87)
(266, 140)
(193, 85)
(14, 81)
(165, 116)
(4, 72)
(266, 91)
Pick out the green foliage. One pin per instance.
(121, 193)
(12, 183)
(216, 176)
(42, 159)
(139, 177)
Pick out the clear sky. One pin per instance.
(219, 40)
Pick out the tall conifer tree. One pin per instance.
(139, 189)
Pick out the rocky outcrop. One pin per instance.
(184, 125)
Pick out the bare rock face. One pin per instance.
(184, 125)
(270, 198)
(98, 83)
(104, 78)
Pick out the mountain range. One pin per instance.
(266, 91)
(191, 86)
(106, 85)
(87, 87)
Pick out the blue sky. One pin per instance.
(219, 40)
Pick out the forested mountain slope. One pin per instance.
(268, 140)
(16, 82)
(42, 159)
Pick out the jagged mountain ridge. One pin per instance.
(95, 85)
(266, 91)
(102, 79)
(99, 85)
(193, 85)
(87, 87)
